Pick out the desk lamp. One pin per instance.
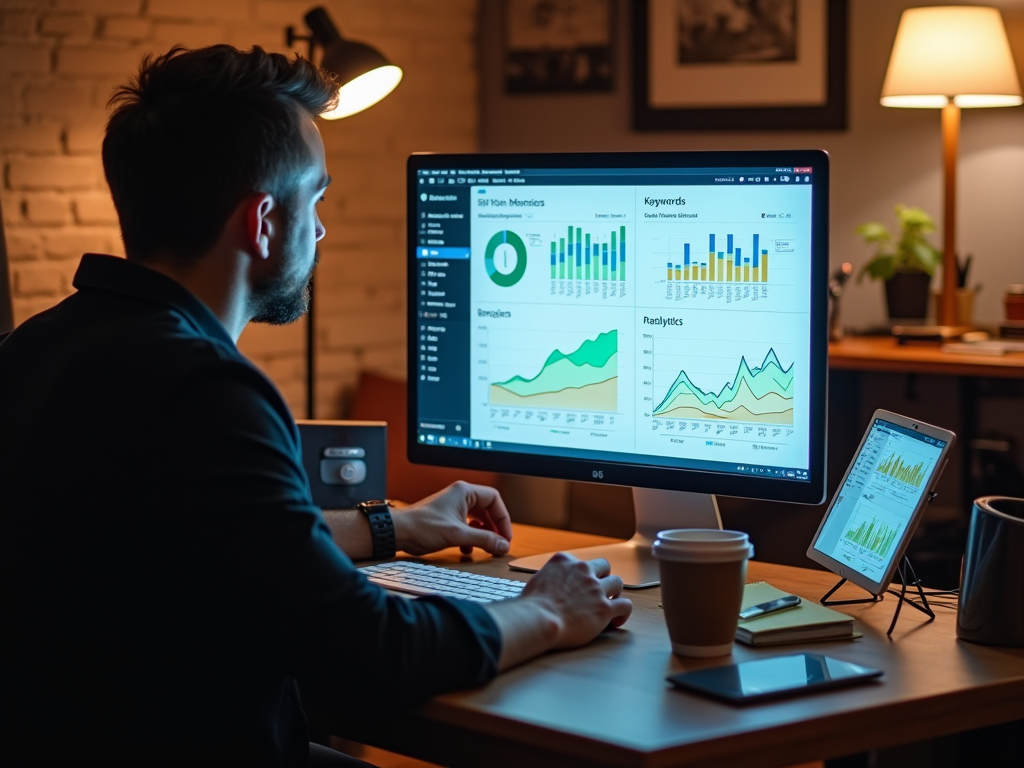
(366, 77)
(949, 58)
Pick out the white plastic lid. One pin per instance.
(702, 545)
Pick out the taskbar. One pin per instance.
(728, 467)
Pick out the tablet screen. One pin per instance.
(869, 520)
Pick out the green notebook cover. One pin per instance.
(808, 621)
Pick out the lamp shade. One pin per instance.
(951, 53)
(366, 76)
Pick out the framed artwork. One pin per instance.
(557, 46)
(739, 65)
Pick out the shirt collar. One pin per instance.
(117, 275)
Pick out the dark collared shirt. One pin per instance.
(166, 576)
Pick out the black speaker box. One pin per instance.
(346, 461)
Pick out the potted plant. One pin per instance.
(906, 265)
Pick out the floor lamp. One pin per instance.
(948, 58)
(365, 77)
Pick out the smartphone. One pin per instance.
(777, 677)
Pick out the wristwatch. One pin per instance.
(382, 527)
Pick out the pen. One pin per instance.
(779, 604)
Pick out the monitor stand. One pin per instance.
(655, 510)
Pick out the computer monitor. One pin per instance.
(654, 320)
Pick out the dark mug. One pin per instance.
(991, 606)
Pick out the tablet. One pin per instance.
(773, 678)
(881, 499)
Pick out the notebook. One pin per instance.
(808, 621)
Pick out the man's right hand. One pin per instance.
(583, 595)
(566, 604)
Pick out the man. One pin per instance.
(171, 595)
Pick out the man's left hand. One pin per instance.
(462, 515)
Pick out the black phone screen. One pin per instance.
(773, 678)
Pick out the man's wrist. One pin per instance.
(403, 529)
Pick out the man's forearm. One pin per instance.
(351, 532)
(528, 628)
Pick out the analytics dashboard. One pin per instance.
(650, 316)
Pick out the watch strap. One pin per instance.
(382, 528)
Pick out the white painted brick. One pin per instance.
(17, 23)
(283, 13)
(270, 37)
(391, 359)
(23, 245)
(36, 138)
(11, 89)
(13, 209)
(72, 242)
(102, 7)
(284, 369)
(226, 10)
(263, 341)
(127, 28)
(47, 209)
(411, 25)
(85, 137)
(26, 308)
(70, 25)
(59, 173)
(372, 328)
(190, 35)
(335, 364)
(95, 208)
(98, 60)
(60, 98)
(344, 300)
(37, 280)
(24, 58)
(360, 21)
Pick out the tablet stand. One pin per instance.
(904, 568)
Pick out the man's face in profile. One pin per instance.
(282, 297)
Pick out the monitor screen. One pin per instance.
(650, 319)
(870, 517)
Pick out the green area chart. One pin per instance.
(763, 395)
(875, 536)
(585, 379)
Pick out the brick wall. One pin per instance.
(59, 60)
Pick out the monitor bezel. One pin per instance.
(811, 491)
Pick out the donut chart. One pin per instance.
(505, 258)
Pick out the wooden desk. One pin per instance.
(608, 703)
(882, 353)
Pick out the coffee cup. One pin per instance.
(702, 576)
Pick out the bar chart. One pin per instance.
(585, 263)
(730, 265)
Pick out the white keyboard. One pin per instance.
(419, 579)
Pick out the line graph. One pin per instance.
(762, 394)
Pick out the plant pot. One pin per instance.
(906, 295)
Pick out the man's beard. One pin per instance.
(276, 303)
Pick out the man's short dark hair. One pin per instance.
(196, 132)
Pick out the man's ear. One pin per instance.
(260, 228)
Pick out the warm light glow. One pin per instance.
(365, 91)
(951, 52)
(971, 100)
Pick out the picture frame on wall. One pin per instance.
(754, 65)
(558, 46)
